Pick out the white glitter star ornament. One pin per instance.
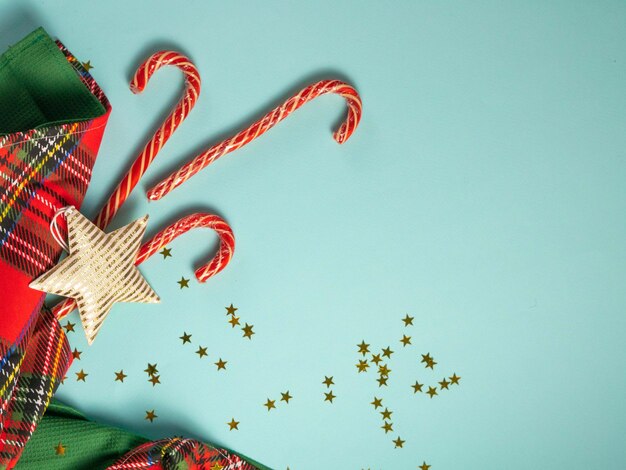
(99, 270)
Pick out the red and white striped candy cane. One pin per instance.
(166, 236)
(264, 124)
(152, 148)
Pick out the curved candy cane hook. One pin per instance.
(264, 124)
(161, 136)
(164, 237)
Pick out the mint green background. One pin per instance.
(483, 193)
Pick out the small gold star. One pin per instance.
(247, 331)
(152, 369)
(424, 466)
(269, 404)
(426, 358)
(363, 348)
(151, 415)
(60, 449)
(432, 391)
(221, 364)
(231, 310)
(166, 252)
(233, 425)
(406, 340)
(386, 414)
(384, 370)
(154, 380)
(454, 379)
(378, 402)
(120, 376)
(76, 354)
(408, 320)
(233, 320)
(201, 352)
(387, 352)
(376, 358)
(444, 384)
(81, 375)
(382, 381)
(362, 366)
(398, 442)
(87, 66)
(328, 381)
(186, 338)
(183, 282)
(388, 427)
(69, 326)
(63, 379)
(417, 387)
(431, 364)
(329, 396)
(286, 397)
(216, 466)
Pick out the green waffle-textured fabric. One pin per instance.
(38, 87)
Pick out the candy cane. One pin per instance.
(152, 148)
(264, 124)
(166, 236)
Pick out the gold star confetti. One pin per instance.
(454, 379)
(69, 326)
(76, 354)
(382, 381)
(152, 369)
(221, 364)
(426, 358)
(60, 449)
(120, 376)
(183, 282)
(87, 66)
(154, 380)
(408, 320)
(431, 365)
(329, 396)
(186, 338)
(80, 375)
(424, 466)
(417, 387)
(151, 415)
(384, 370)
(201, 352)
(376, 358)
(432, 391)
(231, 310)
(362, 366)
(378, 402)
(388, 427)
(444, 384)
(406, 340)
(166, 252)
(247, 331)
(386, 414)
(233, 320)
(328, 381)
(387, 352)
(269, 404)
(233, 425)
(217, 466)
(363, 348)
(398, 442)
(286, 397)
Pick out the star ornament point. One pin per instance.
(99, 270)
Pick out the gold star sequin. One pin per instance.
(247, 331)
(388, 427)
(69, 326)
(186, 338)
(417, 387)
(183, 282)
(201, 352)
(328, 381)
(363, 348)
(166, 252)
(454, 379)
(384, 370)
(424, 466)
(233, 425)
(362, 366)
(269, 404)
(398, 442)
(444, 384)
(120, 376)
(432, 391)
(59, 449)
(151, 369)
(376, 358)
(408, 320)
(76, 354)
(431, 365)
(99, 270)
(154, 380)
(286, 397)
(233, 320)
(87, 66)
(221, 364)
(382, 381)
(80, 375)
(386, 414)
(378, 402)
(426, 358)
(406, 340)
(231, 310)
(151, 415)
(387, 352)
(329, 396)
